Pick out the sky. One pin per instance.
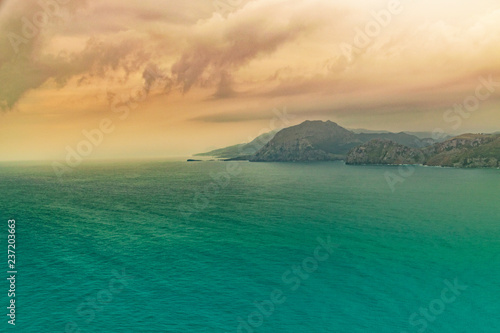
(174, 78)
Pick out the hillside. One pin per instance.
(242, 149)
(468, 151)
(384, 152)
(321, 141)
(465, 151)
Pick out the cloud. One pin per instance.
(154, 77)
(214, 48)
(225, 89)
(219, 46)
(96, 60)
(20, 61)
(264, 49)
(406, 69)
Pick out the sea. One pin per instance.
(175, 246)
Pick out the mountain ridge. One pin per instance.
(242, 150)
(322, 141)
(315, 140)
(463, 151)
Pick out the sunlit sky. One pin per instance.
(181, 77)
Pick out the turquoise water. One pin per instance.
(163, 247)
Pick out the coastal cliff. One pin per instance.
(464, 151)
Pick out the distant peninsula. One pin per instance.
(327, 141)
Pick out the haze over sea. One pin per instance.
(111, 248)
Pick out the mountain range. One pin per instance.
(327, 141)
